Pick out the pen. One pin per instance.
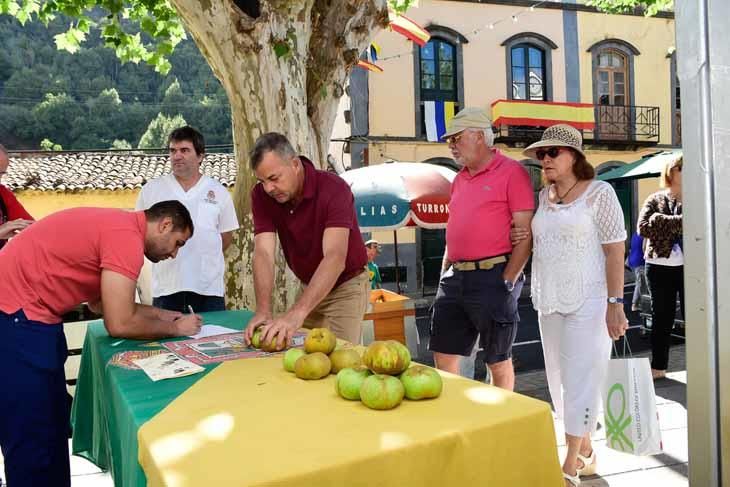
(190, 308)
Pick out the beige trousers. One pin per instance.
(342, 310)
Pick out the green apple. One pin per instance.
(290, 358)
(349, 381)
(312, 366)
(320, 340)
(256, 338)
(402, 350)
(387, 357)
(381, 391)
(341, 359)
(421, 382)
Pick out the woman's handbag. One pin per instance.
(629, 406)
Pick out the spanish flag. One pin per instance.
(369, 66)
(543, 113)
(408, 28)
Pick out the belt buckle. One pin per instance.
(485, 265)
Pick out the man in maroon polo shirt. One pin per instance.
(313, 214)
(482, 273)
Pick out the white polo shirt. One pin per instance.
(199, 264)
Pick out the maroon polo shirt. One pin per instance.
(327, 202)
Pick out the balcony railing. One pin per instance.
(614, 125)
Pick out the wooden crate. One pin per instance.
(388, 310)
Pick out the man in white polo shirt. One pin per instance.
(195, 277)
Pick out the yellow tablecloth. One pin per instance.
(250, 423)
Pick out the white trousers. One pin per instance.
(577, 349)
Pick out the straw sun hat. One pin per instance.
(560, 135)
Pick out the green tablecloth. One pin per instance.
(111, 403)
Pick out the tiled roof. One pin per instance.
(93, 171)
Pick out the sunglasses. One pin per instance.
(454, 139)
(553, 152)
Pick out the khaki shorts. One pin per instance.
(342, 310)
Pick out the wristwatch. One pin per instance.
(615, 300)
(509, 285)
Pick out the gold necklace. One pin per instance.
(561, 198)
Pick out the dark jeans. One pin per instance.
(665, 282)
(34, 404)
(180, 302)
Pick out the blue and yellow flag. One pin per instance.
(437, 115)
(374, 52)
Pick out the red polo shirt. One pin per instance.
(56, 263)
(327, 202)
(481, 207)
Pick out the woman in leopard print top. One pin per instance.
(660, 223)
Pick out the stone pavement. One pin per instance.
(617, 469)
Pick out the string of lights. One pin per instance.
(490, 26)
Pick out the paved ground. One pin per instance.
(621, 470)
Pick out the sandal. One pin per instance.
(589, 464)
(573, 479)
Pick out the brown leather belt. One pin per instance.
(484, 264)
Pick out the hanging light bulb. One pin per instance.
(491, 26)
(532, 8)
(514, 18)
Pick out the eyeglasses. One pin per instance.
(552, 152)
(454, 139)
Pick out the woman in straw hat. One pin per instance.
(577, 286)
(660, 222)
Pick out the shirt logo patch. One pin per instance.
(210, 198)
(486, 188)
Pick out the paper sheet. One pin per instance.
(167, 366)
(213, 330)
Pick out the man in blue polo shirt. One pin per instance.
(313, 214)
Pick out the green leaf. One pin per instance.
(148, 25)
(163, 66)
(27, 8)
(70, 40)
(157, 19)
(400, 6)
(651, 7)
(165, 48)
(281, 48)
(9, 7)
(84, 24)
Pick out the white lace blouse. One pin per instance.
(568, 263)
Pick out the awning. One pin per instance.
(646, 167)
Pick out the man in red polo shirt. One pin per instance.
(482, 273)
(79, 255)
(313, 214)
(13, 217)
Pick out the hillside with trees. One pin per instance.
(50, 98)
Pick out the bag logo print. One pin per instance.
(616, 427)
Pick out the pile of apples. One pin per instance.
(380, 375)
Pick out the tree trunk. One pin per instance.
(283, 64)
